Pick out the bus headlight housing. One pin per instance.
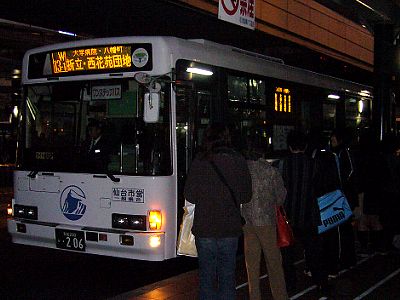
(25, 212)
(135, 222)
(155, 220)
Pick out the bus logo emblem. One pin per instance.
(140, 57)
(71, 202)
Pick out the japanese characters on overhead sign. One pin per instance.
(93, 58)
(239, 12)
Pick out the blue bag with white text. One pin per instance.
(334, 209)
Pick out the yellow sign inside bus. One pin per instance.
(91, 59)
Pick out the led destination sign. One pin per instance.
(87, 60)
(103, 58)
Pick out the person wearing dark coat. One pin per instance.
(301, 207)
(349, 186)
(217, 221)
(96, 149)
(390, 212)
(372, 173)
(326, 179)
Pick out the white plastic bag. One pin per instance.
(186, 243)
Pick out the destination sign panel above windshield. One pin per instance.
(114, 58)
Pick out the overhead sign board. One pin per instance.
(92, 58)
(239, 12)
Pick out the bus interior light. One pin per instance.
(364, 93)
(154, 219)
(66, 33)
(360, 106)
(15, 111)
(199, 71)
(333, 96)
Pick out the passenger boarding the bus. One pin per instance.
(96, 149)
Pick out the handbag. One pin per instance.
(333, 207)
(222, 178)
(186, 239)
(284, 232)
(334, 210)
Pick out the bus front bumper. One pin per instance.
(110, 242)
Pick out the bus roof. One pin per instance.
(167, 50)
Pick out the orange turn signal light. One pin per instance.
(155, 220)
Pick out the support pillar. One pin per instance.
(382, 118)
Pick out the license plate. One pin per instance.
(70, 240)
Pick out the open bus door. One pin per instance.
(193, 116)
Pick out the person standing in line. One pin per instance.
(298, 172)
(260, 229)
(217, 222)
(389, 215)
(370, 204)
(326, 180)
(349, 186)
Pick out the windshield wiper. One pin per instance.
(109, 175)
(32, 174)
(113, 178)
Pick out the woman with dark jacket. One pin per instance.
(217, 221)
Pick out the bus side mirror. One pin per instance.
(151, 107)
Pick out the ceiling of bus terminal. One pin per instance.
(36, 22)
(367, 12)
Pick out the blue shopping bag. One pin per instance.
(334, 209)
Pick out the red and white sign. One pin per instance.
(239, 12)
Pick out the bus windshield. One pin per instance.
(94, 127)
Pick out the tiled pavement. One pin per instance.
(181, 287)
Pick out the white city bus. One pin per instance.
(153, 97)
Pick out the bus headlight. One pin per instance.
(154, 220)
(154, 241)
(135, 222)
(25, 212)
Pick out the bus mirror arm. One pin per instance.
(113, 178)
(32, 174)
